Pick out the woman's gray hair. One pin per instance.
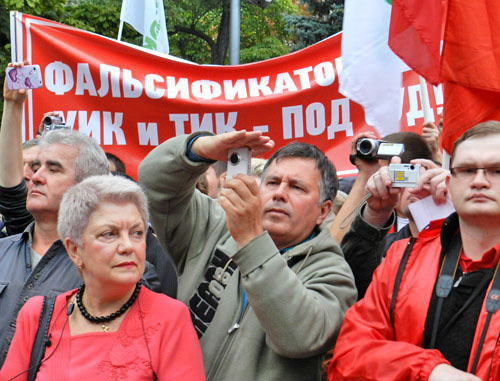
(82, 199)
(91, 159)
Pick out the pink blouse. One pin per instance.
(174, 349)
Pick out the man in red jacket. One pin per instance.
(430, 312)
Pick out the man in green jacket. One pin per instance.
(266, 287)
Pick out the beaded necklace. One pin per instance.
(110, 317)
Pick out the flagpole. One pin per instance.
(120, 30)
(234, 32)
(428, 117)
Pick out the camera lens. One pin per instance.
(366, 146)
(234, 158)
(412, 167)
(47, 121)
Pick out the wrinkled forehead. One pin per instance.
(300, 168)
(58, 152)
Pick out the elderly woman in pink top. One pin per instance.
(112, 327)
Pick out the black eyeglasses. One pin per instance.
(468, 173)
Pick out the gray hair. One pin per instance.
(257, 166)
(31, 143)
(82, 199)
(91, 159)
(328, 183)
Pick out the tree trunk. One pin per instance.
(219, 51)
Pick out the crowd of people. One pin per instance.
(272, 275)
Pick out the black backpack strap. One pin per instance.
(41, 340)
(399, 277)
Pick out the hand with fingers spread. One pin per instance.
(240, 199)
(215, 147)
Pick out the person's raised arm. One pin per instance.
(11, 153)
(215, 147)
(343, 220)
(168, 175)
(383, 200)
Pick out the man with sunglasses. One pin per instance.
(431, 311)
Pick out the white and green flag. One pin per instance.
(148, 18)
(371, 72)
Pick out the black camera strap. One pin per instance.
(445, 281)
(492, 305)
(444, 286)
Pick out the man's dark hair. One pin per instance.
(119, 164)
(328, 184)
(416, 146)
(491, 127)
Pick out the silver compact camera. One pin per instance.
(238, 161)
(404, 175)
(54, 123)
(377, 149)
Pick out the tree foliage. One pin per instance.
(198, 29)
(322, 18)
(51, 9)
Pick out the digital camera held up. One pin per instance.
(370, 149)
(404, 175)
(238, 161)
(54, 123)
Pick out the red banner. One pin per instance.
(130, 99)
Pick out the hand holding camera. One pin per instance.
(215, 147)
(404, 175)
(238, 161)
(23, 77)
(13, 96)
(240, 198)
(371, 149)
(384, 196)
(54, 122)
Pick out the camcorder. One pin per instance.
(371, 149)
(238, 161)
(54, 123)
(404, 175)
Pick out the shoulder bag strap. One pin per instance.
(41, 339)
